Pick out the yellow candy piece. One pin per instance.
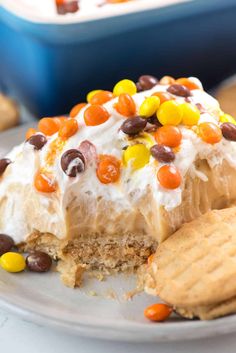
(226, 118)
(138, 155)
(191, 114)
(149, 106)
(125, 86)
(12, 262)
(92, 93)
(145, 139)
(169, 113)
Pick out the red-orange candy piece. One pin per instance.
(44, 183)
(168, 135)
(169, 177)
(210, 133)
(95, 115)
(76, 109)
(126, 105)
(101, 97)
(187, 83)
(49, 126)
(163, 96)
(108, 170)
(158, 312)
(30, 132)
(68, 128)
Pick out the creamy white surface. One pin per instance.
(109, 140)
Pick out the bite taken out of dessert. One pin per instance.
(99, 189)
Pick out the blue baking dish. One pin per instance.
(49, 66)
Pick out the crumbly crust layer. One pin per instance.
(107, 254)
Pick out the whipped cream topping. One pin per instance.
(109, 139)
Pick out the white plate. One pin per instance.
(41, 298)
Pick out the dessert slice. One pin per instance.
(99, 189)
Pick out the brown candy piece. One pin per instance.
(72, 162)
(133, 126)
(162, 154)
(146, 82)
(88, 150)
(179, 90)
(229, 131)
(4, 162)
(38, 141)
(6, 243)
(38, 261)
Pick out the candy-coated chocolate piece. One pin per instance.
(125, 105)
(38, 141)
(44, 183)
(191, 85)
(4, 163)
(163, 96)
(147, 82)
(137, 155)
(169, 177)
(170, 113)
(76, 109)
(72, 162)
(227, 118)
(209, 132)
(68, 128)
(38, 261)
(191, 114)
(167, 80)
(101, 97)
(133, 126)
(162, 154)
(125, 86)
(91, 94)
(158, 312)
(179, 90)
(168, 135)
(49, 126)
(12, 262)
(95, 115)
(108, 170)
(149, 106)
(229, 131)
(6, 243)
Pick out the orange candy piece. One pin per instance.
(101, 97)
(169, 177)
(95, 115)
(30, 132)
(163, 96)
(76, 109)
(44, 183)
(210, 133)
(108, 170)
(168, 135)
(125, 105)
(68, 128)
(48, 126)
(187, 83)
(158, 312)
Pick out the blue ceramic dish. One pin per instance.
(50, 67)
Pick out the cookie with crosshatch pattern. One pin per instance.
(195, 269)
